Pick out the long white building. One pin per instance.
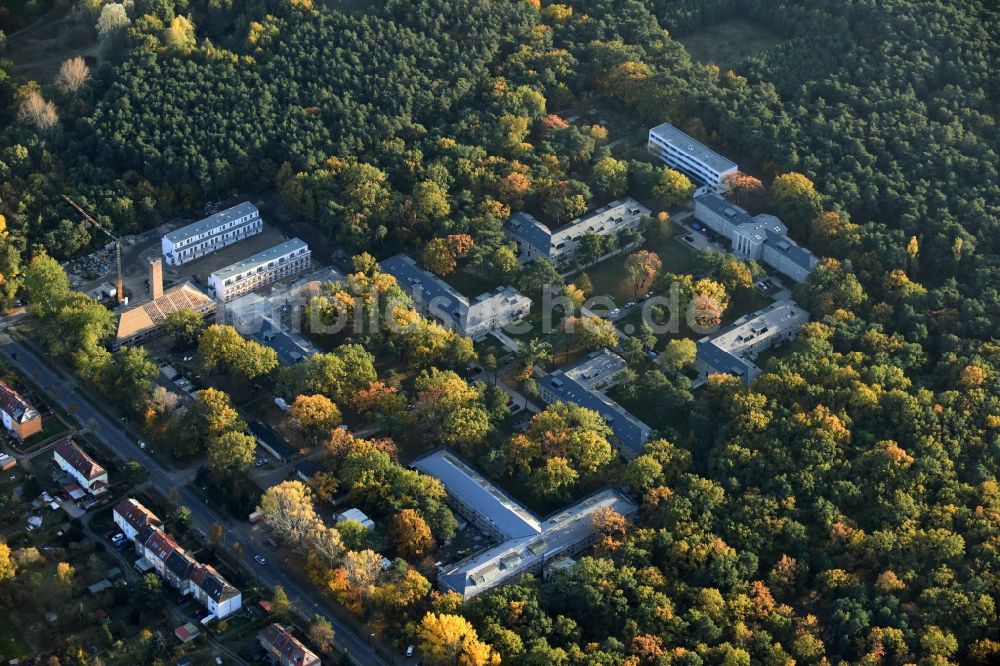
(761, 238)
(536, 241)
(288, 258)
(689, 156)
(212, 233)
(735, 349)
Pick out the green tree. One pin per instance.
(231, 452)
(183, 327)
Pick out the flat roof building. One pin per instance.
(689, 156)
(761, 237)
(537, 241)
(259, 270)
(210, 234)
(527, 543)
(584, 383)
(435, 297)
(733, 350)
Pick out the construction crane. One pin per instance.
(119, 286)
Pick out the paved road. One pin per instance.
(66, 393)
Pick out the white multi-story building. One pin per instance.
(288, 258)
(536, 241)
(71, 459)
(433, 296)
(214, 232)
(688, 156)
(734, 350)
(159, 551)
(761, 238)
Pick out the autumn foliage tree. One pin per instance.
(410, 534)
(642, 268)
(447, 640)
(314, 416)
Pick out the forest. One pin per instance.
(845, 507)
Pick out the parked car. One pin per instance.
(261, 560)
(260, 462)
(409, 651)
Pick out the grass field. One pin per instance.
(729, 43)
(12, 646)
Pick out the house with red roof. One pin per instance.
(19, 417)
(284, 649)
(159, 551)
(74, 461)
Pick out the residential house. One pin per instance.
(19, 417)
(283, 648)
(70, 458)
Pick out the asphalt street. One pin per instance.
(69, 397)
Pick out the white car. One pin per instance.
(261, 560)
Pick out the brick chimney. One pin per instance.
(156, 278)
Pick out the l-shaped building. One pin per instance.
(584, 383)
(433, 296)
(526, 543)
(537, 241)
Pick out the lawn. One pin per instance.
(12, 646)
(608, 277)
(729, 43)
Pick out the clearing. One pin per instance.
(39, 50)
(729, 43)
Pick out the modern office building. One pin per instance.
(141, 322)
(690, 157)
(283, 648)
(734, 350)
(584, 383)
(536, 241)
(71, 459)
(761, 238)
(526, 543)
(276, 263)
(19, 417)
(434, 297)
(213, 233)
(158, 551)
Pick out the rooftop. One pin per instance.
(764, 228)
(260, 259)
(530, 541)
(135, 514)
(772, 320)
(581, 383)
(151, 313)
(472, 489)
(692, 147)
(211, 222)
(78, 459)
(442, 300)
(527, 228)
(281, 641)
(14, 405)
